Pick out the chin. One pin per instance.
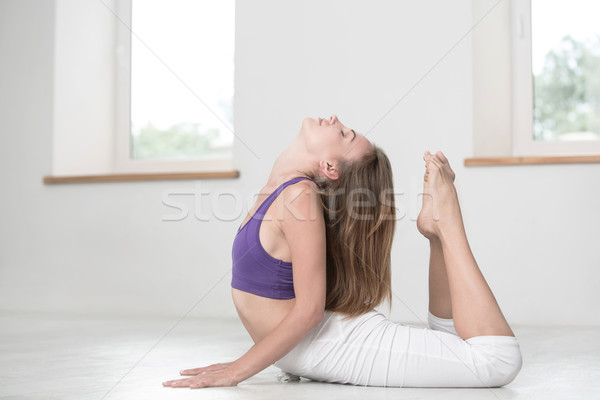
(308, 131)
(308, 121)
(308, 125)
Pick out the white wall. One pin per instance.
(84, 87)
(103, 248)
(492, 84)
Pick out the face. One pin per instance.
(332, 140)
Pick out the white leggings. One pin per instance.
(371, 350)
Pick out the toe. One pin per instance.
(441, 156)
(433, 161)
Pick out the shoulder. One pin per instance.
(301, 202)
(304, 186)
(301, 193)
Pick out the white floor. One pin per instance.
(58, 357)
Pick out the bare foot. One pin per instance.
(444, 161)
(440, 202)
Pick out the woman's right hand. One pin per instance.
(204, 370)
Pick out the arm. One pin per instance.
(304, 229)
(280, 341)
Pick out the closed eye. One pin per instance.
(342, 132)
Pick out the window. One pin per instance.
(175, 85)
(556, 77)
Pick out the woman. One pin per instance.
(330, 212)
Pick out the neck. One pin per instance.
(294, 161)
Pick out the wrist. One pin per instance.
(237, 372)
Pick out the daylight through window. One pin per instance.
(182, 79)
(566, 69)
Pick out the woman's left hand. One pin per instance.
(224, 377)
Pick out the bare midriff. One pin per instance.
(260, 315)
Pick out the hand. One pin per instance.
(213, 375)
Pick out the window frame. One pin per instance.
(523, 143)
(122, 160)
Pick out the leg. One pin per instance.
(439, 317)
(374, 351)
(440, 301)
(474, 308)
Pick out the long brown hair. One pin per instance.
(360, 218)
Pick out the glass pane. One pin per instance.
(566, 69)
(182, 57)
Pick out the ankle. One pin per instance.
(434, 241)
(450, 231)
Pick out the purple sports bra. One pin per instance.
(254, 270)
